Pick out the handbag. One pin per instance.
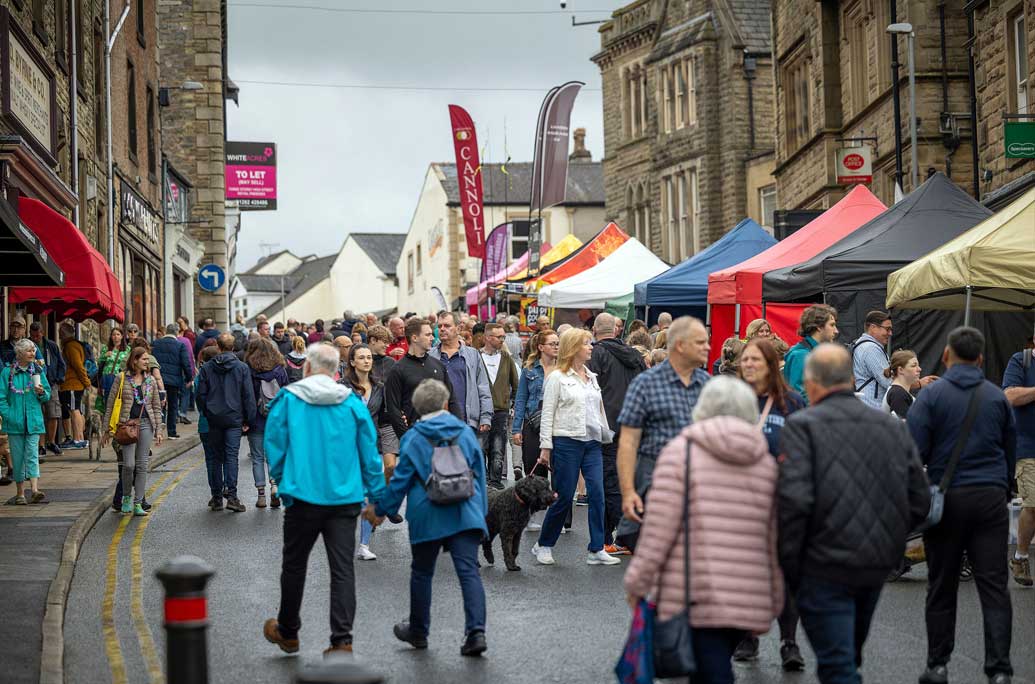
(116, 408)
(636, 666)
(128, 431)
(934, 513)
(673, 643)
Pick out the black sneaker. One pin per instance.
(54, 449)
(402, 633)
(274, 500)
(145, 505)
(790, 655)
(234, 504)
(67, 444)
(395, 519)
(474, 645)
(1000, 678)
(746, 650)
(216, 503)
(939, 674)
(581, 500)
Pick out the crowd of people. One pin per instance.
(796, 473)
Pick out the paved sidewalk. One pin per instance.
(40, 544)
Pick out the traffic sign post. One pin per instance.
(211, 277)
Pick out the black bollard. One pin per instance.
(336, 670)
(186, 619)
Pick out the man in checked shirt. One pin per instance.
(657, 407)
(870, 358)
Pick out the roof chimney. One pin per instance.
(580, 153)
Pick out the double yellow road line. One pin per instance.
(145, 638)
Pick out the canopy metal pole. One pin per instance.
(763, 310)
(966, 308)
(646, 312)
(736, 321)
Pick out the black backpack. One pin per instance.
(451, 480)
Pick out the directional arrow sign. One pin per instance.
(211, 277)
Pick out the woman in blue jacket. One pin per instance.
(458, 528)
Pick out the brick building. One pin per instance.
(688, 138)
(193, 37)
(833, 74)
(1004, 59)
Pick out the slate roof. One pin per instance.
(383, 249)
(307, 276)
(266, 283)
(585, 184)
(753, 21)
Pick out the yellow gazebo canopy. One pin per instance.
(991, 267)
(568, 244)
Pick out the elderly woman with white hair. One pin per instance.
(716, 477)
(23, 391)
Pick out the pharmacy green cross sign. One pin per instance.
(1020, 139)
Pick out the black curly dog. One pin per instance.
(509, 512)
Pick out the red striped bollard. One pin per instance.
(186, 619)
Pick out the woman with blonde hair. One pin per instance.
(661, 339)
(294, 362)
(759, 328)
(572, 429)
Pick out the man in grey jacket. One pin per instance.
(466, 373)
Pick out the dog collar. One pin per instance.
(519, 498)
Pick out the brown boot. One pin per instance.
(340, 649)
(271, 630)
(1021, 569)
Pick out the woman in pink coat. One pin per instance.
(736, 587)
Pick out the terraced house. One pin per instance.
(688, 110)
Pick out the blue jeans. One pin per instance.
(257, 452)
(172, 409)
(837, 619)
(226, 447)
(187, 399)
(568, 458)
(463, 549)
(713, 650)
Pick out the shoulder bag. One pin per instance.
(128, 431)
(934, 513)
(673, 644)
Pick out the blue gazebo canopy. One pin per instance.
(685, 285)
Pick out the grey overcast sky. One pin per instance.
(353, 159)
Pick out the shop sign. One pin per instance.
(136, 213)
(855, 165)
(1020, 139)
(251, 175)
(531, 310)
(29, 89)
(177, 194)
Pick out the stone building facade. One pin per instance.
(833, 78)
(39, 155)
(193, 37)
(1004, 58)
(687, 91)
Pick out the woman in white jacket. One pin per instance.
(572, 428)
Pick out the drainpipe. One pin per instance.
(951, 143)
(74, 115)
(750, 66)
(969, 8)
(895, 99)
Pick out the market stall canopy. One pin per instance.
(614, 276)
(925, 219)
(686, 284)
(742, 283)
(589, 255)
(479, 293)
(621, 307)
(567, 246)
(995, 260)
(91, 290)
(26, 262)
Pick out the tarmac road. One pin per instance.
(565, 623)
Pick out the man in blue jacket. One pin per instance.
(322, 487)
(171, 354)
(458, 528)
(975, 519)
(226, 399)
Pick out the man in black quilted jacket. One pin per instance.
(851, 488)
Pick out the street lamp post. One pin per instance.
(907, 29)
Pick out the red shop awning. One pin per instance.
(91, 289)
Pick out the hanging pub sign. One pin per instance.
(137, 214)
(855, 165)
(1019, 137)
(251, 175)
(29, 97)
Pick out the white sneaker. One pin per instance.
(601, 557)
(544, 555)
(535, 549)
(564, 530)
(534, 527)
(363, 552)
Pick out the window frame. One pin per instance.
(1018, 77)
(855, 30)
(62, 34)
(420, 265)
(39, 21)
(797, 101)
(80, 48)
(141, 24)
(152, 134)
(131, 111)
(99, 130)
(764, 192)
